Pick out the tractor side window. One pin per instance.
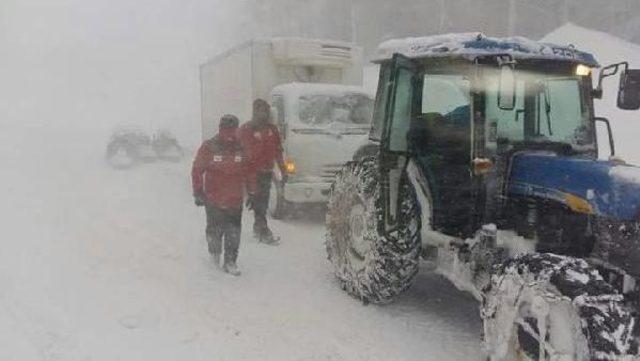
(447, 96)
(381, 100)
(401, 117)
(445, 111)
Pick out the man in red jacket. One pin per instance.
(220, 175)
(261, 141)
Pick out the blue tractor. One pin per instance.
(487, 166)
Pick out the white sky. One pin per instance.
(103, 63)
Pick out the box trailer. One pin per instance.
(233, 79)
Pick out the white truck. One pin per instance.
(318, 104)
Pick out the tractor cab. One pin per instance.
(464, 106)
(488, 166)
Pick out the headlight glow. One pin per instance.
(290, 166)
(583, 70)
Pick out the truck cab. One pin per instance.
(321, 126)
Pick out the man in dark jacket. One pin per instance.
(261, 141)
(219, 176)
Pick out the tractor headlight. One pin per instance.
(583, 70)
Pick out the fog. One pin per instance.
(105, 63)
(102, 63)
(100, 261)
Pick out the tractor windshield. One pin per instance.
(548, 108)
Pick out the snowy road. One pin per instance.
(98, 264)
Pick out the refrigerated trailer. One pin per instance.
(233, 79)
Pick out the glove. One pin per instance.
(199, 199)
(251, 201)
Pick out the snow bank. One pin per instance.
(608, 49)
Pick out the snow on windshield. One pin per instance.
(321, 110)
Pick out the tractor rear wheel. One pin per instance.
(369, 265)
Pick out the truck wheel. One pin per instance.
(278, 206)
(549, 307)
(370, 266)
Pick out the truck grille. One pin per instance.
(329, 171)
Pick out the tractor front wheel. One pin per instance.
(369, 265)
(549, 307)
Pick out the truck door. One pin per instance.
(394, 109)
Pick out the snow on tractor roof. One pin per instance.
(471, 45)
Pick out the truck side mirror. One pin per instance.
(629, 90)
(507, 91)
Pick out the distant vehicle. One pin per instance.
(488, 166)
(128, 147)
(166, 146)
(313, 87)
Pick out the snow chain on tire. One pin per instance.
(390, 263)
(603, 327)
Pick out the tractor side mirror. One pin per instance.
(609, 133)
(507, 91)
(629, 90)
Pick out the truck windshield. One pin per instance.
(548, 108)
(321, 110)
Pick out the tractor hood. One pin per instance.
(586, 186)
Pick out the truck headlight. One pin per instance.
(290, 166)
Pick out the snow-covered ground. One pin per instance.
(100, 264)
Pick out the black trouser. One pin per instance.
(224, 224)
(261, 203)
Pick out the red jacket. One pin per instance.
(262, 145)
(220, 172)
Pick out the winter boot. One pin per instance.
(231, 269)
(257, 230)
(268, 238)
(215, 258)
